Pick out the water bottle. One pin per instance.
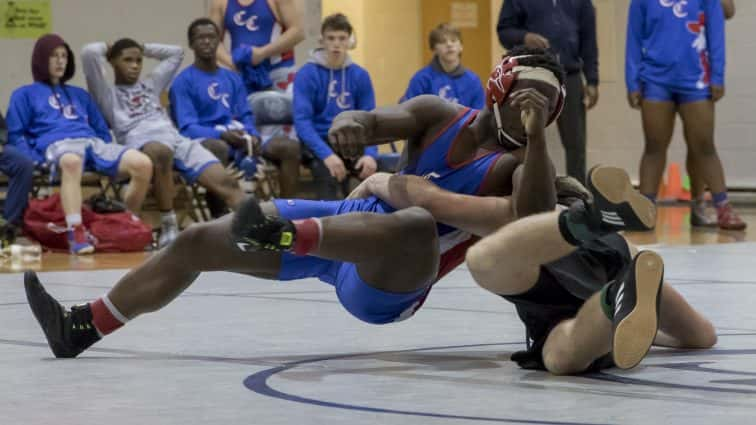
(248, 166)
(25, 253)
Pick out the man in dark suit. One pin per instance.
(568, 28)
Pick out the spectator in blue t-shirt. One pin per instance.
(445, 76)
(210, 103)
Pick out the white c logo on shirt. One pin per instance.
(250, 23)
(341, 99)
(678, 7)
(68, 110)
(53, 101)
(332, 89)
(443, 93)
(212, 91)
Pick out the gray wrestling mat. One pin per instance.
(237, 350)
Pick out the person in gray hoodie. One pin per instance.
(133, 109)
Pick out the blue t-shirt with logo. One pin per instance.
(201, 101)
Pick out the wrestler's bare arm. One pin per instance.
(411, 120)
(478, 215)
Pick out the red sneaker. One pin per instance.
(728, 219)
(78, 241)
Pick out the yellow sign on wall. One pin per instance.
(25, 18)
(464, 14)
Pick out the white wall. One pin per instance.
(83, 21)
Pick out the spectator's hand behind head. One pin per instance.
(717, 92)
(634, 99)
(536, 41)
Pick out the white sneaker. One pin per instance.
(701, 215)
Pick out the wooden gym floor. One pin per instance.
(673, 228)
(234, 350)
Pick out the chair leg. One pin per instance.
(111, 186)
(198, 200)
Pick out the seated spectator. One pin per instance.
(445, 76)
(209, 103)
(132, 107)
(19, 168)
(66, 131)
(327, 85)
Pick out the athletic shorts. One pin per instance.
(363, 301)
(190, 158)
(678, 95)
(283, 82)
(98, 156)
(562, 287)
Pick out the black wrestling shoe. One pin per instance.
(252, 230)
(68, 332)
(616, 203)
(635, 299)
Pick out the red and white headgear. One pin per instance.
(500, 85)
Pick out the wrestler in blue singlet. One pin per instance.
(256, 25)
(359, 298)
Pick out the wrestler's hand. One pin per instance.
(347, 137)
(362, 190)
(534, 110)
(373, 185)
(366, 166)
